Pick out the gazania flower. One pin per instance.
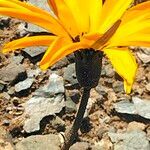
(84, 24)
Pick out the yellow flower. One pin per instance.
(82, 24)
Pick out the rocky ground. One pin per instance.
(37, 107)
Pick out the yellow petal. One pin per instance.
(48, 23)
(112, 11)
(86, 14)
(95, 13)
(80, 11)
(141, 6)
(9, 4)
(134, 17)
(142, 9)
(132, 23)
(133, 20)
(53, 6)
(64, 14)
(60, 53)
(22, 5)
(90, 38)
(28, 41)
(98, 41)
(131, 32)
(137, 39)
(139, 43)
(55, 46)
(125, 65)
(104, 39)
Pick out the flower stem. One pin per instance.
(88, 63)
(70, 137)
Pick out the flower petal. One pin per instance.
(90, 38)
(28, 41)
(55, 46)
(22, 5)
(86, 14)
(54, 56)
(133, 21)
(64, 14)
(137, 39)
(104, 39)
(125, 65)
(112, 11)
(50, 24)
(139, 43)
(80, 11)
(53, 6)
(132, 26)
(38, 11)
(95, 13)
(141, 6)
(139, 11)
(9, 4)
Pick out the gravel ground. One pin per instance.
(40, 106)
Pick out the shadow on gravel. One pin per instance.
(129, 118)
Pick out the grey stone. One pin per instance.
(109, 71)
(73, 94)
(4, 133)
(24, 85)
(12, 73)
(11, 90)
(112, 129)
(142, 107)
(103, 144)
(58, 124)
(102, 90)
(145, 50)
(5, 140)
(125, 106)
(2, 86)
(54, 86)
(70, 75)
(80, 146)
(34, 28)
(136, 126)
(102, 130)
(17, 59)
(34, 53)
(39, 142)
(33, 73)
(148, 86)
(39, 107)
(5, 95)
(148, 133)
(6, 122)
(136, 107)
(4, 22)
(60, 64)
(70, 106)
(21, 29)
(44, 5)
(118, 86)
(5, 145)
(72, 97)
(134, 140)
(144, 57)
(105, 120)
(103, 72)
(109, 81)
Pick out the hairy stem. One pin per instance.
(70, 137)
